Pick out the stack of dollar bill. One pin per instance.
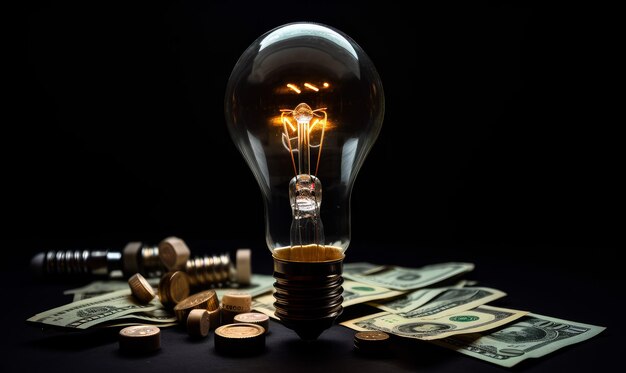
(110, 304)
(454, 316)
(431, 303)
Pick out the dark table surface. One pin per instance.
(569, 290)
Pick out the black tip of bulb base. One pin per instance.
(308, 295)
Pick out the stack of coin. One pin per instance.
(234, 303)
(372, 343)
(173, 253)
(254, 318)
(239, 339)
(141, 289)
(173, 287)
(198, 323)
(140, 339)
(205, 300)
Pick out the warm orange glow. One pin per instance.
(277, 121)
(305, 116)
(311, 86)
(315, 122)
(326, 85)
(293, 128)
(294, 88)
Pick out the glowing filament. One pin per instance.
(301, 135)
(294, 88)
(311, 86)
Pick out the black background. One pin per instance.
(499, 146)
(500, 114)
(496, 132)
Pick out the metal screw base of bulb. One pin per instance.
(308, 295)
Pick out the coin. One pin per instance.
(141, 289)
(239, 339)
(173, 287)
(371, 336)
(204, 300)
(372, 342)
(140, 339)
(173, 253)
(198, 323)
(254, 318)
(234, 303)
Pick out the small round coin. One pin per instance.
(173, 253)
(206, 300)
(237, 301)
(374, 343)
(140, 339)
(371, 336)
(234, 303)
(173, 287)
(254, 318)
(198, 323)
(141, 289)
(239, 339)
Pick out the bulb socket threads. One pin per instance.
(308, 295)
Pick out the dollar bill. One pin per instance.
(157, 316)
(93, 311)
(356, 292)
(399, 278)
(125, 324)
(160, 317)
(471, 321)
(413, 300)
(452, 301)
(97, 288)
(259, 284)
(107, 303)
(532, 336)
(265, 304)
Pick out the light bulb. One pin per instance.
(304, 104)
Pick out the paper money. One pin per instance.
(399, 278)
(356, 292)
(125, 324)
(414, 299)
(472, 321)
(97, 288)
(157, 316)
(93, 311)
(530, 337)
(265, 304)
(452, 301)
(259, 284)
(109, 303)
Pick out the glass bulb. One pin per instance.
(304, 104)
